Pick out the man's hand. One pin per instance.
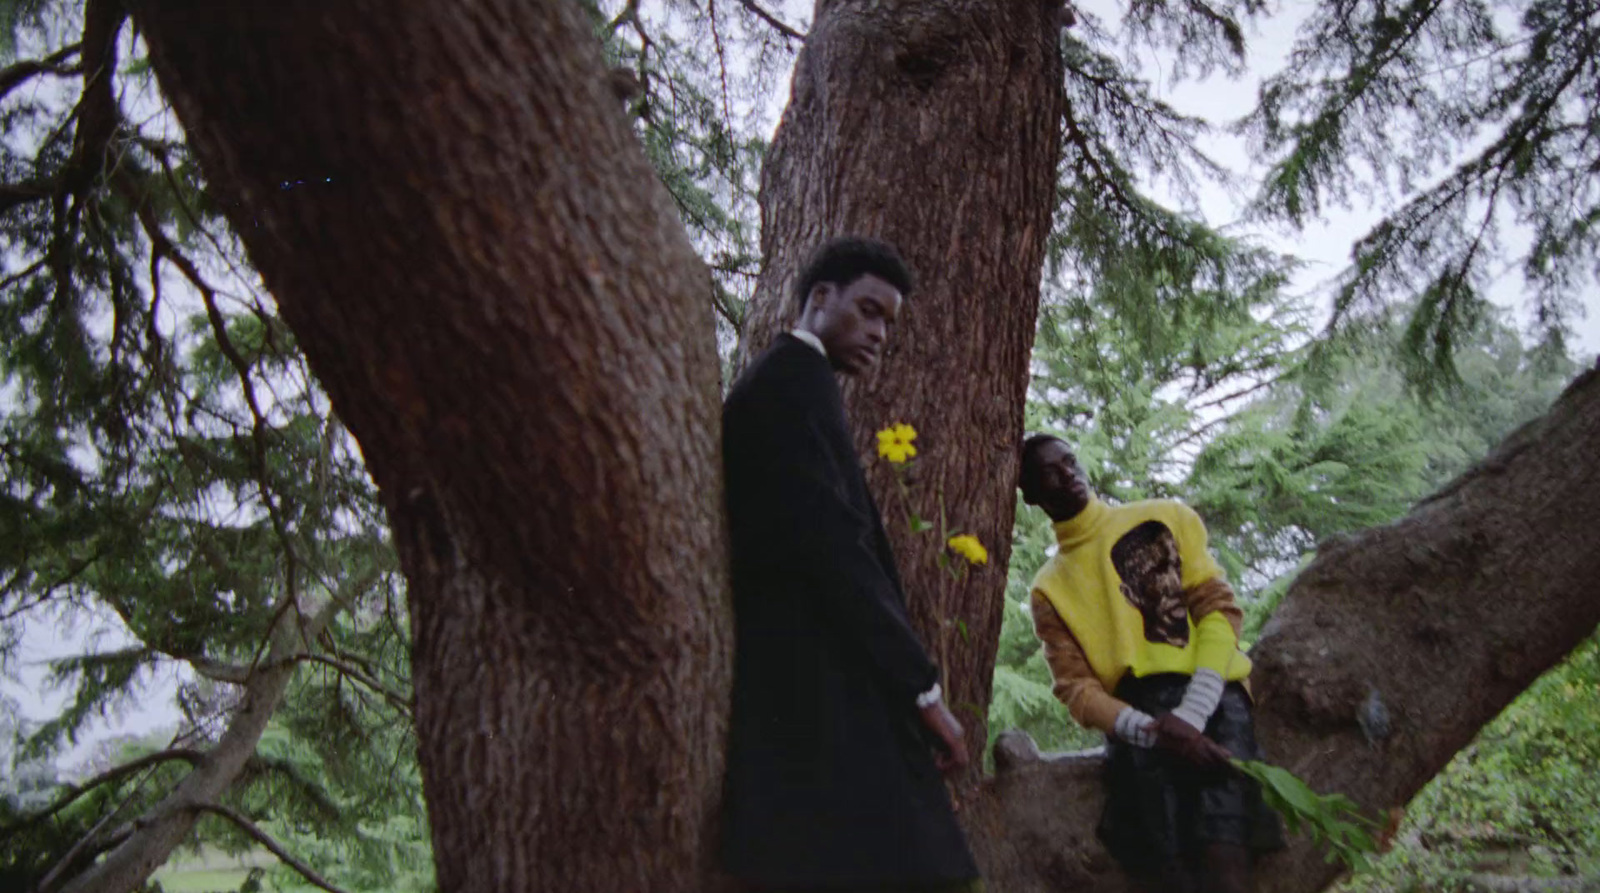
(1186, 741)
(950, 751)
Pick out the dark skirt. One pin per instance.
(1159, 807)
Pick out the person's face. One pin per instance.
(1059, 485)
(853, 321)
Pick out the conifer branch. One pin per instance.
(396, 700)
(773, 20)
(1235, 395)
(73, 792)
(267, 842)
(163, 247)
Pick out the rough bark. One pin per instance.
(935, 126)
(470, 247)
(1443, 617)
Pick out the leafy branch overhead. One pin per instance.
(1475, 118)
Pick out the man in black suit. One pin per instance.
(839, 729)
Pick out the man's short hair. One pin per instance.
(1028, 477)
(843, 260)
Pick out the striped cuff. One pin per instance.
(930, 697)
(1200, 699)
(1135, 727)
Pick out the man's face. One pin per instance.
(1059, 485)
(853, 321)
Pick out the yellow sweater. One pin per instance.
(1136, 590)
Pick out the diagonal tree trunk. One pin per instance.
(935, 126)
(470, 246)
(147, 842)
(1442, 618)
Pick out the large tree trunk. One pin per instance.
(494, 290)
(473, 253)
(936, 126)
(1442, 618)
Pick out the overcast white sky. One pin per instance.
(1324, 246)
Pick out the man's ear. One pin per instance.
(821, 294)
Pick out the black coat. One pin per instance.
(831, 780)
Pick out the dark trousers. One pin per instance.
(1161, 809)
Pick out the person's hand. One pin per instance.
(950, 748)
(1188, 744)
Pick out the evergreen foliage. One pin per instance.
(170, 462)
(1473, 115)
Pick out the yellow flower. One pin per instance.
(968, 547)
(894, 442)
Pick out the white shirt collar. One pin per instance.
(811, 339)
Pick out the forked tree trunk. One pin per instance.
(488, 280)
(936, 126)
(477, 260)
(1442, 618)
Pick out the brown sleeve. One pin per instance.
(1214, 595)
(1076, 685)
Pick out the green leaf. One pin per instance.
(1332, 819)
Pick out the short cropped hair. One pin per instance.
(843, 260)
(1028, 478)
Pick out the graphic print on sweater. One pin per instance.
(1146, 559)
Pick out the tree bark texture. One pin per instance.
(492, 286)
(1442, 618)
(935, 126)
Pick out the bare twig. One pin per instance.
(773, 20)
(21, 274)
(73, 792)
(244, 824)
(1245, 392)
(396, 700)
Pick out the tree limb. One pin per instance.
(98, 113)
(773, 20)
(73, 792)
(162, 828)
(265, 840)
(19, 73)
(629, 13)
(396, 699)
(15, 194)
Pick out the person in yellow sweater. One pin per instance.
(1141, 633)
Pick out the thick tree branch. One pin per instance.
(15, 194)
(259, 836)
(19, 73)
